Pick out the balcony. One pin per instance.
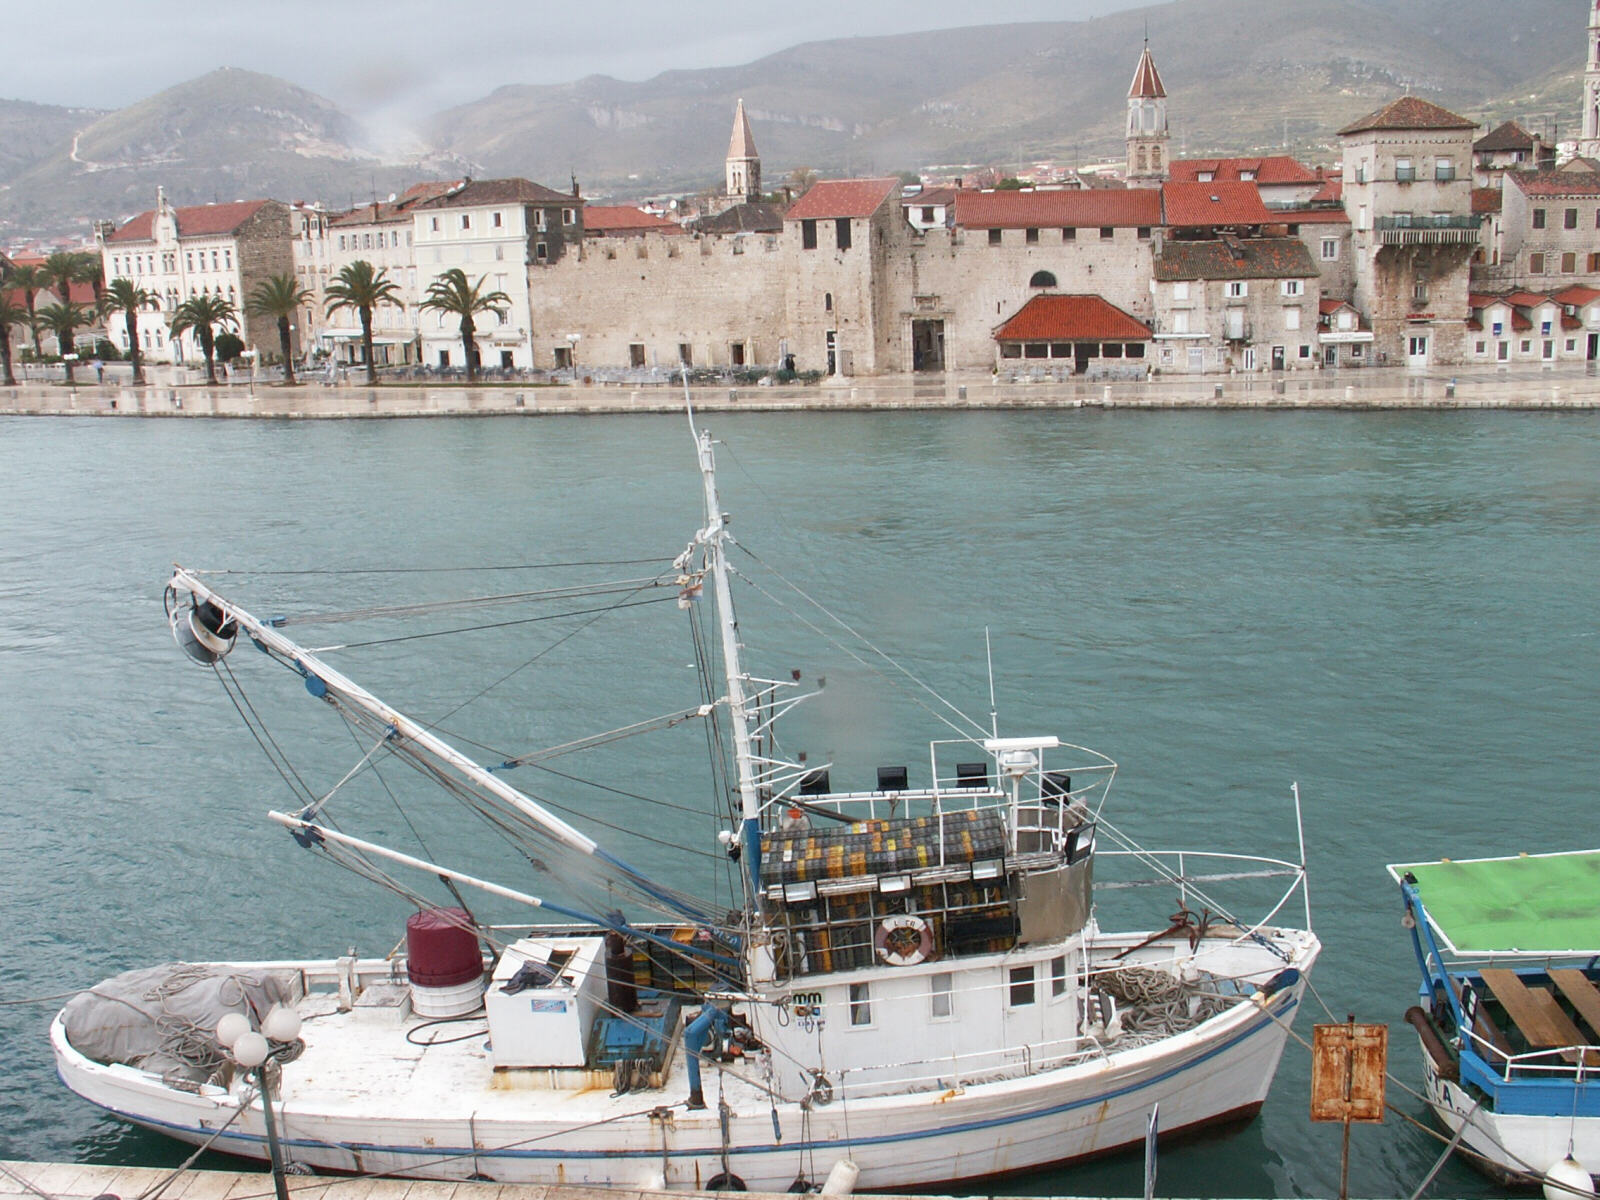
(1427, 231)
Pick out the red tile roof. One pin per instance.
(1075, 318)
(1570, 323)
(934, 196)
(1578, 294)
(1216, 203)
(1146, 79)
(1275, 168)
(1509, 136)
(1486, 200)
(1332, 190)
(1072, 208)
(1235, 258)
(1480, 299)
(1525, 299)
(1309, 216)
(1408, 112)
(193, 221)
(1328, 307)
(831, 198)
(623, 219)
(1557, 183)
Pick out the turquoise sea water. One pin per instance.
(1396, 610)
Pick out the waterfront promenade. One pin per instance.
(1566, 387)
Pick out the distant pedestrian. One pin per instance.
(99, 371)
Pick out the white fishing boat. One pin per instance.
(909, 989)
(1509, 1012)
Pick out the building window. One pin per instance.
(1180, 290)
(433, 224)
(227, 258)
(1291, 318)
(1569, 263)
(1107, 232)
(1238, 289)
(541, 253)
(1536, 264)
(1292, 287)
(1069, 234)
(1419, 292)
(1143, 233)
(1404, 171)
(1594, 263)
(1538, 218)
(1205, 176)
(466, 220)
(1058, 975)
(1569, 219)
(1330, 249)
(569, 216)
(686, 354)
(1180, 322)
(1031, 236)
(538, 218)
(1480, 348)
(1021, 990)
(841, 232)
(366, 241)
(636, 354)
(499, 253)
(1042, 279)
(994, 237)
(808, 235)
(861, 1004)
(498, 220)
(1444, 170)
(827, 301)
(927, 215)
(939, 999)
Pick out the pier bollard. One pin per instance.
(1450, 390)
(521, 403)
(1106, 394)
(1216, 391)
(1350, 393)
(961, 392)
(1278, 386)
(733, 393)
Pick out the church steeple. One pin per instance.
(1589, 143)
(743, 164)
(1147, 124)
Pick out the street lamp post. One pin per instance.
(251, 1050)
(572, 354)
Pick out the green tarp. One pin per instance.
(1531, 904)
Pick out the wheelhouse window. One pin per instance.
(1021, 991)
(861, 1004)
(1058, 976)
(940, 1002)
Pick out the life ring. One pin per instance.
(903, 940)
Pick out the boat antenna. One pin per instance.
(994, 712)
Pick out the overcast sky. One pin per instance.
(421, 55)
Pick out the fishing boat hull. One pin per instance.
(454, 1119)
(1515, 1149)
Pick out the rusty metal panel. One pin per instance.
(1348, 1065)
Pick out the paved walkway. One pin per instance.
(1527, 387)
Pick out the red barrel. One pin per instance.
(441, 948)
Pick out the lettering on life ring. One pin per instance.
(903, 940)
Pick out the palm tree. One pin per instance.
(64, 320)
(12, 315)
(29, 280)
(67, 267)
(205, 314)
(127, 298)
(451, 293)
(279, 297)
(359, 287)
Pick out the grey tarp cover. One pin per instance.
(164, 1018)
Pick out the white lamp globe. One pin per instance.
(282, 1024)
(231, 1028)
(250, 1050)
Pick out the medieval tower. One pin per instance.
(1147, 124)
(1589, 143)
(744, 164)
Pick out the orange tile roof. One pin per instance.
(832, 198)
(1578, 294)
(1310, 216)
(1072, 318)
(1235, 258)
(1328, 307)
(499, 191)
(1070, 208)
(625, 218)
(1275, 168)
(193, 221)
(1485, 200)
(1526, 299)
(1557, 183)
(1215, 203)
(1409, 112)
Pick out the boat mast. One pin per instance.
(714, 538)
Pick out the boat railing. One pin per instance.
(1192, 873)
(1550, 1064)
(958, 1070)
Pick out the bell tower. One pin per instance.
(1589, 143)
(743, 163)
(1147, 124)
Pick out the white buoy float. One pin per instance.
(1566, 1178)
(842, 1178)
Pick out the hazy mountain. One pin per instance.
(227, 135)
(1243, 75)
